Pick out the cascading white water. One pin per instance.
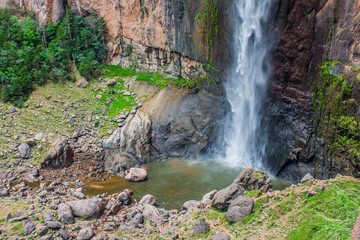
(246, 83)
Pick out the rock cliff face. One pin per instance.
(172, 123)
(166, 29)
(308, 33)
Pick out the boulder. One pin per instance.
(208, 197)
(31, 142)
(53, 224)
(200, 227)
(136, 175)
(89, 208)
(101, 237)
(109, 226)
(42, 230)
(138, 218)
(38, 136)
(65, 214)
(4, 192)
(11, 110)
(64, 234)
(254, 179)
(190, 205)
(60, 155)
(239, 208)
(29, 226)
(85, 234)
(223, 197)
(307, 177)
(82, 83)
(220, 236)
(152, 214)
(125, 197)
(24, 150)
(47, 216)
(111, 83)
(115, 208)
(149, 199)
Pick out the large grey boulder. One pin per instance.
(89, 208)
(222, 198)
(149, 199)
(207, 198)
(29, 226)
(239, 208)
(136, 175)
(4, 192)
(11, 110)
(307, 177)
(82, 83)
(125, 197)
(53, 224)
(190, 205)
(254, 179)
(24, 150)
(65, 214)
(220, 236)
(42, 230)
(200, 227)
(152, 214)
(85, 234)
(60, 155)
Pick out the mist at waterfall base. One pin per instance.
(246, 83)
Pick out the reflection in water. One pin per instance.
(172, 182)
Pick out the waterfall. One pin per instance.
(246, 83)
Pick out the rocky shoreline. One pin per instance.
(59, 211)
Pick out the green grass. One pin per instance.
(330, 214)
(119, 103)
(112, 71)
(163, 81)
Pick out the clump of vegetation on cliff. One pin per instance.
(31, 53)
(336, 105)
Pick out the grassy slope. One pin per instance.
(53, 120)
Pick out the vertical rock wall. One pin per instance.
(308, 33)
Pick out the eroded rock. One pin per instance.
(152, 214)
(65, 214)
(254, 179)
(239, 209)
(89, 208)
(149, 199)
(24, 150)
(136, 175)
(60, 155)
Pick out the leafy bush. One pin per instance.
(33, 54)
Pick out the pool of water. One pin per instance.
(175, 181)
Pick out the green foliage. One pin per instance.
(96, 123)
(333, 100)
(208, 20)
(32, 54)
